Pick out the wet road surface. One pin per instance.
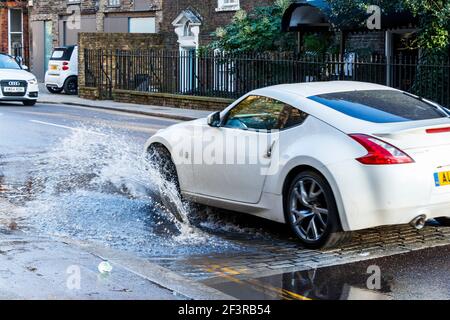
(79, 173)
(423, 274)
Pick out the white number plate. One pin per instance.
(14, 89)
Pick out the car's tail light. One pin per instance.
(438, 130)
(380, 152)
(65, 66)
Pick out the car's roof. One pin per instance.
(308, 89)
(296, 94)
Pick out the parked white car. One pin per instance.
(62, 72)
(17, 84)
(326, 158)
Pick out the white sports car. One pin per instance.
(325, 157)
(16, 83)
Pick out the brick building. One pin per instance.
(183, 24)
(57, 22)
(14, 26)
(188, 24)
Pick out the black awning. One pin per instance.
(315, 16)
(306, 16)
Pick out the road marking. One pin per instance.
(258, 285)
(66, 127)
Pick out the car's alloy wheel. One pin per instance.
(312, 213)
(71, 86)
(309, 209)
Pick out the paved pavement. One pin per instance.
(158, 111)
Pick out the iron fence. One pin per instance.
(217, 74)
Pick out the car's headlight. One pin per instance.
(32, 81)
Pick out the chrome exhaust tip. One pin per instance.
(419, 222)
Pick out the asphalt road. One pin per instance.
(76, 172)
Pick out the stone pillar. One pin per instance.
(100, 15)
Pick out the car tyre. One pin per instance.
(444, 221)
(71, 86)
(311, 212)
(161, 160)
(29, 103)
(53, 90)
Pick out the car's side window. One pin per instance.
(263, 113)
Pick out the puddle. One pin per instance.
(337, 283)
(96, 185)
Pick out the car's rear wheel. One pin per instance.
(71, 86)
(312, 213)
(29, 103)
(54, 90)
(444, 221)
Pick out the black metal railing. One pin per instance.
(217, 74)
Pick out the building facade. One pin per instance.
(189, 24)
(183, 24)
(57, 23)
(14, 38)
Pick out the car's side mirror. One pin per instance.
(24, 67)
(214, 119)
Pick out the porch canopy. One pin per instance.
(305, 16)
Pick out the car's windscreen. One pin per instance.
(381, 106)
(7, 62)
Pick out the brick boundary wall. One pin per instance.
(88, 93)
(171, 100)
(110, 41)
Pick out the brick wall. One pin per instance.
(211, 19)
(171, 100)
(112, 41)
(371, 42)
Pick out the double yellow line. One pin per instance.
(278, 293)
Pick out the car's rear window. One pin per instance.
(62, 53)
(381, 106)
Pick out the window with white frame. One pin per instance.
(113, 3)
(15, 30)
(142, 25)
(228, 5)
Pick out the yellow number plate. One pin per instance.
(53, 67)
(442, 178)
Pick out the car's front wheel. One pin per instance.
(169, 189)
(312, 213)
(29, 103)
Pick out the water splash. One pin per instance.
(99, 161)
